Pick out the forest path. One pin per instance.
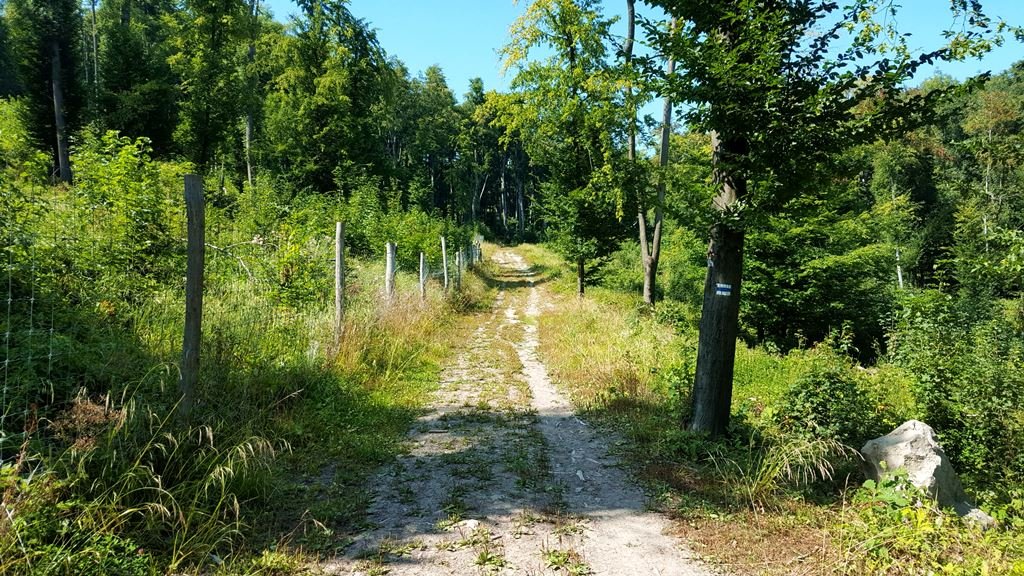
(501, 477)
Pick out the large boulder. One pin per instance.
(914, 448)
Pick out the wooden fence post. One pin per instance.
(389, 270)
(444, 262)
(195, 212)
(423, 276)
(339, 280)
(458, 270)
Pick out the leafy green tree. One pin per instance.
(45, 36)
(137, 90)
(779, 105)
(567, 109)
(824, 264)
(329, 81)
(650, 251)
(496, 167)
(8, 72)
(251, 102)
(476, 145)
(994, 147)
(436, 129)
(205, 36)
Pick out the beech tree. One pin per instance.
(567, 110)
(328, 79)
(137, 90)
(781, 87)
(206, 36)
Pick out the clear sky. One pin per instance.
(464, 36)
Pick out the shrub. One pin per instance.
(371, 224)
(968, 359)
(623, 271)
(120, 185)
(779, 461)
(684, 267)
(20, 161)
(141, 488)
(829, 402)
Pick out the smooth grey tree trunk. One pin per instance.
(650, 253)
(520, 211)
(250, 122)
(95, 53)
(444, 262)
(719, 322)
(423, 276)
(63, 160)
(627, 50)
(458, 270)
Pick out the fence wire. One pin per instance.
(89, 307)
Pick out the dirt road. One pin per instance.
(501, 477)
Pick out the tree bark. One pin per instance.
(719, 322)
(520, 211)
(504, 204)
(63, 160)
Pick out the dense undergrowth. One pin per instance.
(784, 492)
(99, 472)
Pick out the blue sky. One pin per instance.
(464, 36)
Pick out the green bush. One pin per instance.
(830, 402)
(684, 267)
(20, 161)
(119, 191)
(968, 359)
(371, 223)
(622, 271)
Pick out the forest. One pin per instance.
(811, 244)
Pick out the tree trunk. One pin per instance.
(719, 322)
(580, 276)
(645, 254)
(651, 254)
(95, 56)
(520, 211)
(63, 160)
(504, 206)
(478, 198)
(250, 122)
(627, 50)
(249, 129)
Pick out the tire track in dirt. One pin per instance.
(502, 478)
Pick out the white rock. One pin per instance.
(467, 525)
(914, 448)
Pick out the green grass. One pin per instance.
(763, 501)
(100, 473)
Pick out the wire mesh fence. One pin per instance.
(93, 300)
